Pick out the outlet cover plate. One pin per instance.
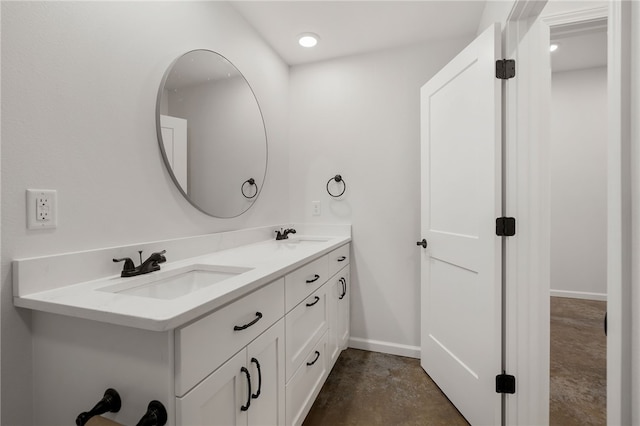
(42, 210)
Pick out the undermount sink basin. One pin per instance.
(172, 284)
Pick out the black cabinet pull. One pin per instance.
(343, 282)
(342, 258)
(257, 394)
(422, 243)
(309, 364)
(314, 302)
(246, 407)
(243, 327)
(315, 278)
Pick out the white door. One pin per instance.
(461, 199)
(174, 139)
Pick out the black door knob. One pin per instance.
(422, 243)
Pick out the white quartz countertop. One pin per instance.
(266, 261)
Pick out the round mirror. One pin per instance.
(211, 133)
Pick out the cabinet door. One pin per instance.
(218, 399)
(339, 328)
(265, 361)
(344, 311)
(334, 291)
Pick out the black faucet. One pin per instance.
(149, 265)
(283, 235)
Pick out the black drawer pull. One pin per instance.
(246, 407)
(257, 394)
(309, 364)
(315, 278)
(342, 258)
(243, 327)
(344, 288)
(314, 302)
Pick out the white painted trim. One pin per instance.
(527, 194)
(620, 189)
(578, 295)
(634, 40)
(620, 397)
(385, 347)
(586, 16)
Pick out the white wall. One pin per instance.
(359, 116)
(79, 83)
(578, 174)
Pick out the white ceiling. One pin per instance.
(353, 27)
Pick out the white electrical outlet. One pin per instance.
(41, 208)
(315, 208)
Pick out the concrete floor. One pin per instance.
(369, 388)
(578, 391)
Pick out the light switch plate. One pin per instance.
(42, 208)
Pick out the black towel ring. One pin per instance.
(251, 182)
(338, 179)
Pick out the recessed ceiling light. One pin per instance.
(308, 39)
(553, 47)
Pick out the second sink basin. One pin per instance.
(299, 240)
(175, 283)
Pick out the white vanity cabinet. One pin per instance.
(204, 345)
(317, 329)
(246, 390)
(261, 358)
(311, 307)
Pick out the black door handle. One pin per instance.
(422, 243)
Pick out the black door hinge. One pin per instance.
(505, 383)
(506, 226)
(505, 69)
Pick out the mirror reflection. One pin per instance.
(211, 133)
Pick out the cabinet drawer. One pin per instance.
(304, 326)
(338, 259)
(305, 280)
(306, 383)
(204, 345)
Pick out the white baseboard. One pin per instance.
(578, 295)
(385, 347)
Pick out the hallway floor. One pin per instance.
(370, 388)
(578, 391)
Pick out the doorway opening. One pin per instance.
(578, 201)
